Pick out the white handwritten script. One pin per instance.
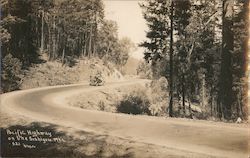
(30, 138)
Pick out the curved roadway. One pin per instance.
(48, 105)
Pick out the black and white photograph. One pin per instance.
(124, 78)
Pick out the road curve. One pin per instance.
(48, 105)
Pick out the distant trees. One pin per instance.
(71, 28)
(74, 28)
(204, 62)
(125, 46)
(107, 38)
(110, 47)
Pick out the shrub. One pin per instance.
(101, 105)
(144, 70)
(135, 103)
(10, 74)
(158, 93)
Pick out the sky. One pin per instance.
(128, 15)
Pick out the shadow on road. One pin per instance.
(46, 140)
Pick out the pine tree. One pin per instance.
(226, 57)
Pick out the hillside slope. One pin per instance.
(54, 73)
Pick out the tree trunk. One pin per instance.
(54, 39)
(90, 42)
(94, 49)
(190, 110)
(48, 44)
(63, 55)
(226, 57)
(85, 44)
(42, 33)
(82, 48)
(183, 95)
(171, 62)
(211, 107)
(203, 91)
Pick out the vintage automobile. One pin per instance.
(97, 79)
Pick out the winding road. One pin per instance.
(49, 104)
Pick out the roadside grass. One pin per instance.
(134, 99)
(103, 100)
(150, 99)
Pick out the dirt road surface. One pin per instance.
(49, 104)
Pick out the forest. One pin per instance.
(64, 30)
(200, 47)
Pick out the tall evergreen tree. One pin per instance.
(171, 52)
(203, 29)
(226, 57)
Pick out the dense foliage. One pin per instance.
(10, 73)
(135, 103)
(64, 30)
(200, 47)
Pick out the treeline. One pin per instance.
(63, 29)
(200, 46)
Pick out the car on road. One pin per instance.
(97, 79)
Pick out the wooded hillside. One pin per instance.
(64, 30)
(200, 46)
